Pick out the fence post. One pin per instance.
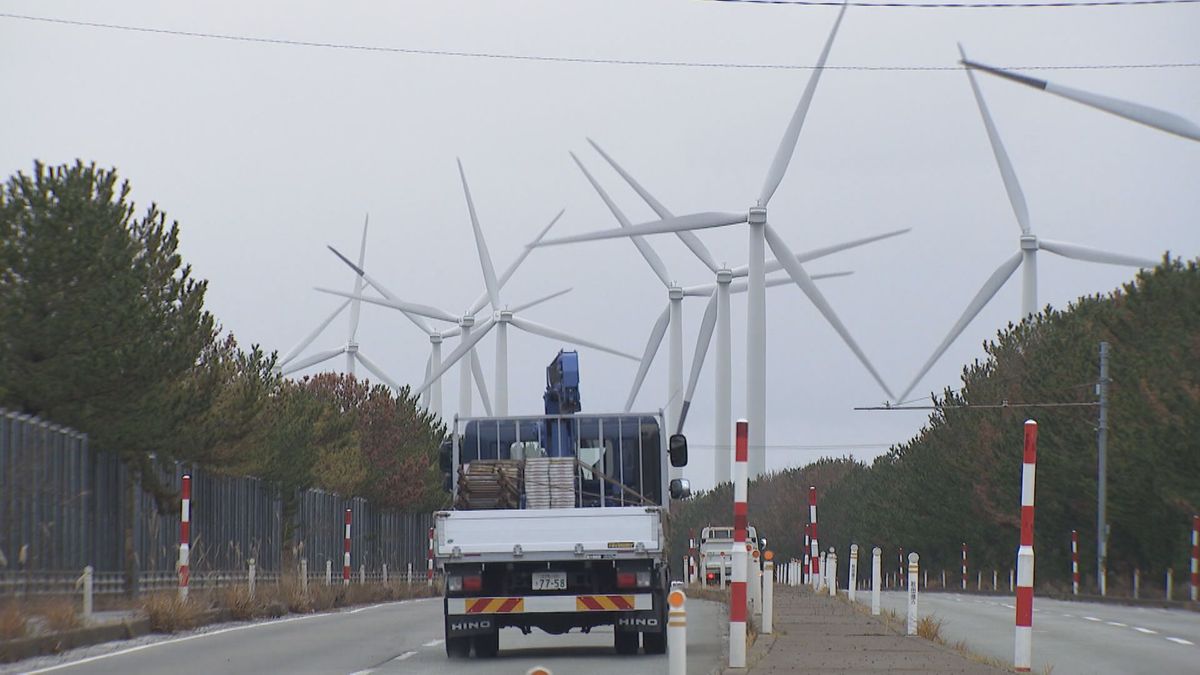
(385, 574)
(768, 594)
(87, 593)
(1137, 583)
(1011, 585)
(1074, 562)
(876, 553)
(831, 561)
(913, 565)
(753, 581)
(995, 579)
(304, 576)
(850, 588)
(724, 581)
(925, 579)
(410, 577)
(328, 572)
(943, 578)
(251, 576)
(1170, 580)
(1023, 647)
(346, 552)
(737, 593)
(805, 565)
(677, 631)
(362, 574)
(185, 534)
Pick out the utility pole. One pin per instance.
(1102, 473)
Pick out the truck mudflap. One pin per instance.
(550, 604)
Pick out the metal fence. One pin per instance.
(64, 505)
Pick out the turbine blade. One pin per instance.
(554, 334)
(313, 360)
(376, 370)
(1015, 196)
(703, 339)
(985, 294)
(815, 253)
(464, 347)
(485, 258)
(1136, 112)
(420, 323)
(652, 259)
(308, 339)
(406, 307)
(452, 332)
(539, 301)
(358, 282)
(480, 384)
(692, 221)
(796, 271)
(656, 336)
(1077, 252)
(689, 239)
(787, 145)
(512, 268)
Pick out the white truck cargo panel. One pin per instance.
(598, 530)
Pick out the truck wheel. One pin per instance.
(487, 645)
(458, 647)
(655, 643)
(625, 642)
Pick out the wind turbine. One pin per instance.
(502, 317)
(761, 236)
(286, 366)
(470, 370)
(1025, 257)
(717, 311)
(1142, 114)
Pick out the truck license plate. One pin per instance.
(549, 581)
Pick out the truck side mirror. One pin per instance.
(446, 456)
(677, 449)
(680, 487)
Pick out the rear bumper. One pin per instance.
(549, 604)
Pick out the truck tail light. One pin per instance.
(711, 576)
(626, 579)
(472, 582)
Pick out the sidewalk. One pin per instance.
(820, 634)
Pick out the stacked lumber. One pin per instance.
(489, 484)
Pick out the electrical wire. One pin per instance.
(964, 5)
(559, 59)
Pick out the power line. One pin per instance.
(792, 446)
(964, 5)
(989, 406)
(556, 59)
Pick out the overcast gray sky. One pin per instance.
(266, 153)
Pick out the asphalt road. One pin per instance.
(398, 637)
(1070, 637)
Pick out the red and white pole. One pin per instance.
(429, 560)
(737, 592)
(1023, 658)
(815, 551)
(346, 553)
(964, 566)
(902, 573)
(185, 536)
(692, 566)
(1195, 557)
(805, 565)
(1074, 562)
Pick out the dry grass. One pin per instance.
(58, 613)
(167, 613)
(13, 624)
(930, 628)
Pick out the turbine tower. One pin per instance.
(1026, 255)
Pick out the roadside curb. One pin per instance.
(24, 648)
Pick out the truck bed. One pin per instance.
(548, 534)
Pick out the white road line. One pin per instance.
(1118, 624)
(433, 643)
(368, 671)
(1010, 606)
(405, 655)
(1181, 641)
(139, 648)
(1069, 616)
(1091, 618)
(363, 609)
(1145, 630)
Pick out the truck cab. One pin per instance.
(557, 524)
